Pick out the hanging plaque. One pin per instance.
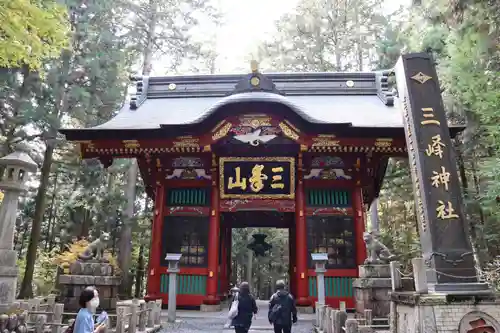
(257, 177)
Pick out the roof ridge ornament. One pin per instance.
(255, 81)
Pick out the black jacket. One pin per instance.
(246, 309)
(288, 312)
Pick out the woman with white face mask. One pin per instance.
(89, 302)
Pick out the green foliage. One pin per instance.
(32, 31)
(45, 272)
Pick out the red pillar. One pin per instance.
(153, 286)
(229, 241)
(357, 200)
(291, 261)
(223, 261)
(301, 240)
(213, 243)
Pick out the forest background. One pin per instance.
(73, 70)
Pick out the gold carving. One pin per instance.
(222, 132)
(325, 140)
(429, 113)
(255, 121)
(238, 181)
(421, 77)
(303, 148)
(256, 181)
(383, 142)
(436, 147)
(254, 81)
(186, 142)
(441, 178)
(131, 144)
(277, 178)
(445, 211)
(287, 131)
(207, 148)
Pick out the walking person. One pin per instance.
(247, 308)
(282, 310)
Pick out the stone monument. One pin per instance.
(90, 269)
(15, 168)
(371, 289)
(452, 299)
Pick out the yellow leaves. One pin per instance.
(66, 258)
(31, 33)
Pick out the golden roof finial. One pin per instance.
(254, 65)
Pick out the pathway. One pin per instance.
(213, 322)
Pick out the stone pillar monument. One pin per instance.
(12, 182)
(320, 260)
(449, 297)
(173, 268)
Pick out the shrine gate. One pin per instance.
(310, 147)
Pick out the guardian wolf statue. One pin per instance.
(378, 253)
(95, 250)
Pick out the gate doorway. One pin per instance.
(261, 272)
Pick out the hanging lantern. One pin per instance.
(259, 245)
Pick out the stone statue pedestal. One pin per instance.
(85, 274)
(371, 290)
(8, 278)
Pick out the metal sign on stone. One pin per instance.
(443, 228)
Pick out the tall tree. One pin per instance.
(88, 78)
(31, 31)
(159, 28)
(325, 35)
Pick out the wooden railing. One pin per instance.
(44, 315)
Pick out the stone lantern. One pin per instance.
(320, 260)
(173, 268)
(15, 168)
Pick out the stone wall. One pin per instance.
(85, 274)
(440, 314)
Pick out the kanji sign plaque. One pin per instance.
(257, 177)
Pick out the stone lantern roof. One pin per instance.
(19, 158)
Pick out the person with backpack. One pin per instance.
(282, 310)
(243, 309)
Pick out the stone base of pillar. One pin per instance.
(413, 313)
(211, 308)
(371, 290)
(8, 279)
(305, 309)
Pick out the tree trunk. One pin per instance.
(26, 290)
(50, 227)
(478, 253)
(125, 246)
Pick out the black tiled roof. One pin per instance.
(175, 103)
